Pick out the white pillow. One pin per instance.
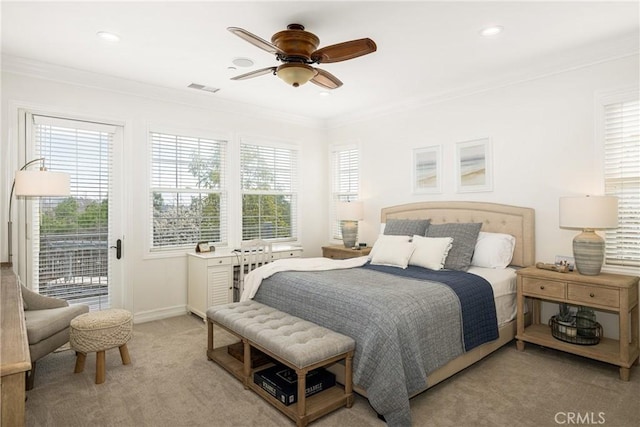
(393, 251)
(430, 252)
(493, 250)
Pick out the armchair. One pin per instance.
(47, 321)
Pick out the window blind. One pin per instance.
(188, 191)
(269, 185)
(622, 179)
(70, 235)
(345, 175)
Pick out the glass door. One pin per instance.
(72, 242)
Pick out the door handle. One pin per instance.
(118, 248)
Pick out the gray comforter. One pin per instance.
(404, 328)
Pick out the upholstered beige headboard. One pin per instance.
(495, 218)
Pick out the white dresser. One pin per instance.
(211, 276)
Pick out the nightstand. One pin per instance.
(340, 252)
(606, 292)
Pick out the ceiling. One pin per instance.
(426, 50)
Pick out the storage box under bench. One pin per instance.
(295, 343)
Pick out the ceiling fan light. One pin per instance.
(295, 74)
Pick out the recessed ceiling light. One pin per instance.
(242, 62)
(491, 31)
(110, 37)
(324, 93)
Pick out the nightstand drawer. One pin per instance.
(594, 295)
(544, 288)
(340, 252)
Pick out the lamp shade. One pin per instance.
(590, 212)
(42, 183)
(349, 211)
(295, 74)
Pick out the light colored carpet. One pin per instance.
(171, 383)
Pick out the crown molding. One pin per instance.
(539, 68)
(46, 71)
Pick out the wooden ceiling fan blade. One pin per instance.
(255, 73)
(326, 80)
(344, 51)
(256, 41)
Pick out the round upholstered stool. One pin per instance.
(99, 331)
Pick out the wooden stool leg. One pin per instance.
(80, 358)
(124, 354)
(100, 367)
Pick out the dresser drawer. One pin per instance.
(286, 254)
(544, 288)
(214, 261)
(594, 295)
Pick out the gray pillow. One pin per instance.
(406, 227)
(464, 236)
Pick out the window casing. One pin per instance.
(188, 193)
(345, 178)
(269, 188)
(621, 142)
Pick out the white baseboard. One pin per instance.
(163, 313)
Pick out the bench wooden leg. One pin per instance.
(80, 358)
(124, 354)
(348, 379)
(246, 372)
(302, 397)
(100, 367)
(209, 338)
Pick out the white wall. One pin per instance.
(542, 133)
(543, 137)
(156, 287)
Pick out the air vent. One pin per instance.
(203, 87)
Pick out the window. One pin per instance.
(70, 234)
(268, 180)
(621, 139)
(188, 191)
(345, 177)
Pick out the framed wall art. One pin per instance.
(473, 166)
(427, 170)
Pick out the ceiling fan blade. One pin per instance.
(256, 41)
(255, 73)
(343, 51)
(326, 80)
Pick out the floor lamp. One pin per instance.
(35, 184)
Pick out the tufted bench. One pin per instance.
(294, 342)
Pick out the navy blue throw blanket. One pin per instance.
(479, 320)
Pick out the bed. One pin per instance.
(396, 358)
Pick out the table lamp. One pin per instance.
(349, 213)
(589, 213)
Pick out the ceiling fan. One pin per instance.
(297, 49)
